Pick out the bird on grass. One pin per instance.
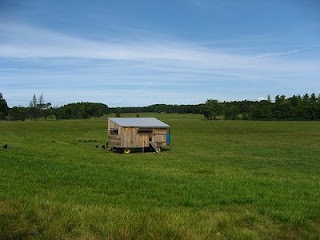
(5, 146)
(97, 146)
(103, 146)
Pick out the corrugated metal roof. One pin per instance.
(139, 122)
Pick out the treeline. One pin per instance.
(39, 109)
(306, 107)
(80, 110)
(159, 108)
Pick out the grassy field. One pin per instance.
(218, 180)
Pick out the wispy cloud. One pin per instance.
(286, 53)
(55, 60)
(30, 42)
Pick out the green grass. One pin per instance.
(218, 180)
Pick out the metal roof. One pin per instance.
(139, 122)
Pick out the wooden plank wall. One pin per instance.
(114, 140)
(128, 137)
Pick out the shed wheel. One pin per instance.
(127, 150)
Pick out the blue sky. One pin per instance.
(136, 53)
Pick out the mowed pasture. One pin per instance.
(218, 180)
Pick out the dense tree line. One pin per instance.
(80, 110)
(159, 108)
(39, 109)
(306, 107)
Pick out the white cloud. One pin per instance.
(261, 98)
(29, 42)
(56, 61)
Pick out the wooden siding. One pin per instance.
(128, 137)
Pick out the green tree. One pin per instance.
(265, 110)
(47, 110)
(283, 109)
(17, 114)
(212, 109)
(41, 105)
(4, 109)
(79, 110)
(231, 112)
(33, 106)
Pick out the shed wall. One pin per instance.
(128, 137)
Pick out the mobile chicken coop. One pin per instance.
(125, 134)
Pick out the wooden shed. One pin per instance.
(125, 134)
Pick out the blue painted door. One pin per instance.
(169, 138)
